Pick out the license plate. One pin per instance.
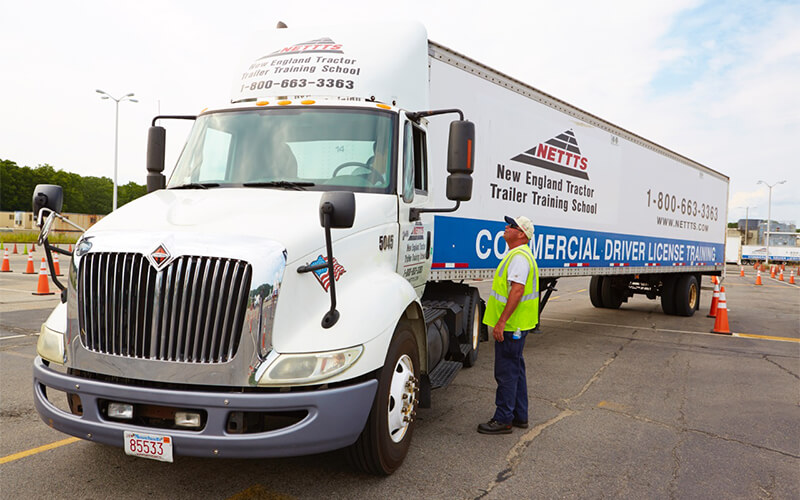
(146, 445)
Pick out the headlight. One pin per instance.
(50, 345)
(306, 368)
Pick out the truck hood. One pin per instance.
(288, 218)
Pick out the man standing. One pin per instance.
(512, 311)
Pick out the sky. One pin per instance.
(716, 81)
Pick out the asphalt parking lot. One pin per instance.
(627, 403)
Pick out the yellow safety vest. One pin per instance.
(526, 315)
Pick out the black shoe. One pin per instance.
(522, 424)
(494, 427)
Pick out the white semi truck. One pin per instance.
(298, 286)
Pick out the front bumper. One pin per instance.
(335, 416)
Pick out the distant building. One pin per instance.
(751, 238)
(23, 221)
(778, 239)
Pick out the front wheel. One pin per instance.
(384, 442)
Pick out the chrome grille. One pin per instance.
(190, 311)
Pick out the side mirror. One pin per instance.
(460, 160)
(340, 206)
(47, 196)
(156, 146)
(461, 147)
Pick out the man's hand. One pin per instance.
(498, 330)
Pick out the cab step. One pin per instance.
(444, 373)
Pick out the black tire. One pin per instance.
(380, 450)
(610, 297)
(472, 331)
(595, 294)
(668, 295)
(687, 295)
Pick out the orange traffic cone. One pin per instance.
(70, 247)
(713, 280)
(741, 273)
(758, 278)
(780, 276)
(33, 247)
(29, 268)
(772, 272)
(791, 275)
(714, 303)
(15, 249)
(43, 287)
(721, 323)
(783, 267)
(55, 265)
(755, 266)
(6, 263)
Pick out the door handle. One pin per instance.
(428, 247)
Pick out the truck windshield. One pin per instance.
(319, 148)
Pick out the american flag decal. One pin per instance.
(323, 276)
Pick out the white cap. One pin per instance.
(522, 223)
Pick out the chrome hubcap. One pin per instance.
(402, 398)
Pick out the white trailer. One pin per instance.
(215, 317)
(733, 248)
(777, 253)
(606, 202)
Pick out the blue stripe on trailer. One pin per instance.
(479, 244)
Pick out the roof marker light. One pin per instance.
(204, 110)
(308, 101)
(262, 103)
(284, 103)
(384, 106)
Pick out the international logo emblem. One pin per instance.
(160, 257)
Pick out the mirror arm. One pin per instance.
(416, 115)
(173, 117)
(332, 316)
(48, 252)
(413, 213)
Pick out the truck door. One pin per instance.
(416, 237)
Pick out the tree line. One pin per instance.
(82, 195)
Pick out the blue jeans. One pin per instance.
(511, 398)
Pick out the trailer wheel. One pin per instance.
(595, 291)
(473, 329)
(611, 298)
(668, 294)
(687, 295)
(384, 442)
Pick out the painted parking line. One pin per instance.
(34, 451)
(12, 337)
(647, 328)
(765, 337)
(568, 293)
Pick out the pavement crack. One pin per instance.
(698, 431)
(514, 455)
(782, 368)
(599, 372)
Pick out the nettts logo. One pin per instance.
(559, 154)
(320, 45)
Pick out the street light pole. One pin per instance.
(769, 215)
(127, 97)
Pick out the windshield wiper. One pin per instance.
(196, 185)
(300, 186)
